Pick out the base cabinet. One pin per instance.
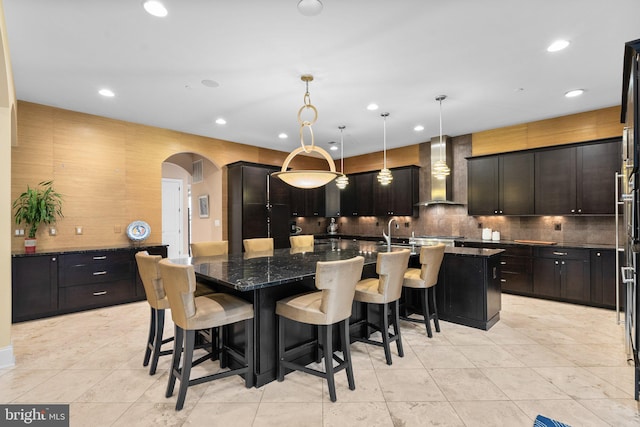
(63, 282)
(562, 273)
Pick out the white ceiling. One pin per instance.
(489, 57)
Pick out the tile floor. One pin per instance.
(560, 360)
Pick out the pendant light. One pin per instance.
(384, 176)
(342, 181)
(307, 178)
(440, 170)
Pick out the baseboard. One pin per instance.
(7, 359)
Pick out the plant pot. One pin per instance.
(29, 246)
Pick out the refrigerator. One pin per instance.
(628, 205)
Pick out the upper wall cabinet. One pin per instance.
(501, 185)
(357, 198)
(400, 196)
(577, 180)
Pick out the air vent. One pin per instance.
(197, 171)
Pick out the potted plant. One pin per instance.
(39, 205)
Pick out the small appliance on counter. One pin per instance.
(486, 234)
(333, 227)
(293, 228)
(495, 235)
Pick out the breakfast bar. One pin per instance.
(265, 278)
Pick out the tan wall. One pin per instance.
(396, 157)
(110, 171)
(587, 126)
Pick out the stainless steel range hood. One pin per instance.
(441, 190)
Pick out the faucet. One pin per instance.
(387, 237)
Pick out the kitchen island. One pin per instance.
(265, 278)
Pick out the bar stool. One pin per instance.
(331, 305)
(425, 278)
(158, 302)
(262, 244)
(303, 241)
(190, 314)
(200, 249)
(384, 291)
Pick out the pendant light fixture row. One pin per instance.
(342, 181)
(307, 178)
(384, 176)
(440, 170)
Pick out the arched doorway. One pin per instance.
(191, 202)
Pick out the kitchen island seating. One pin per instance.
(425, 279)
(262, 244)
(190, 314)
(212, 248)
(330, 305)
(158, 302)
(303, 241)
(384, 291)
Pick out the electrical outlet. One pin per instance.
(406, 225)
(319, 223)
(53, 231)
(78, 230)
(557, 226)
(377, 223)
(479, 225)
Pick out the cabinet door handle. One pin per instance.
(503, 280)
(99, 273)
(99, 293)
(503, 262)
(561, 253)
(100, 257)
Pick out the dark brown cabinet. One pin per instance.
(577, 180)
(34, 286)
(63, 282)
(357, 198)
(400, 196)
(501, 185)
(603, 279)
(562, 273)
(258, 205)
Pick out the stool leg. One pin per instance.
(346, 351)
(396, 328)
(316, 332)
(425, 312)
(432, 290)
(248, 352)
(175, 359)
(157, 344)
(384, 329)
(185, 372)
(328, 360)
(281, 348)
(152, 334)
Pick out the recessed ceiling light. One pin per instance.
(283, 135)
(310, 7)
(155, 8)
(333, 148)
(558, 45)
(106, 92)
(418, 128)
(221, 121)
(372, 107)
(574, 93)
(210, 83)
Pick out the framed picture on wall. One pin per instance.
(203, 203)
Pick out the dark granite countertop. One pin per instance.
(248, 272)
(83, 249)
(556, 244)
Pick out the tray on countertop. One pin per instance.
(535, 242)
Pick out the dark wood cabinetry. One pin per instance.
(562, 273)
(357, 198)
(603, 278)
(258, 205)
(577, 180)
(501, 185)
(400, 196)
(63, 282)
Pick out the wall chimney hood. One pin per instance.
(441, 190)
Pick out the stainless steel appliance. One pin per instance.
(628, 200)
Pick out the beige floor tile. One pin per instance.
(17, 382)
(495, 413)
(616, 412)
(503, 334)
(416, 334)
(442, 356)
(119, 386)
(64, 387)
(621, 377)
(368, 414)
(230, 390)
(592, 354)
(154, 414)
(523, 384)
(424, 414)
(566, 411)
(367, 387)
(95, 414)
(409, 361)
(409, 385)
(222, 414)
(489, 356)
(468, 336)
(466, 384)
(288, 414)
(536, 355)
(579, 383)
(296, 387)
(546, 336)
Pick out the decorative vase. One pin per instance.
(29, 246)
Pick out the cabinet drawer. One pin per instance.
(519, 265)
(95, 295)
(78, 269)
(568, 253)
(517, 251)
